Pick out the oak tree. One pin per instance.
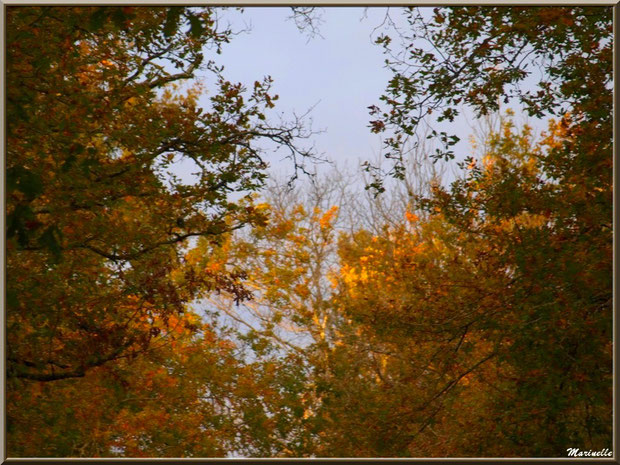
(97, 215)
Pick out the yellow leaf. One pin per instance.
(411, 217)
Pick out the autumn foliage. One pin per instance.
(152, 316)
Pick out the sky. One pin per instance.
(337, 75)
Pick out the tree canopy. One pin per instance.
(97, 216)
(153, 314)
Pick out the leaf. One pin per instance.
(196, 27)
(24, 180)
(12, 298)
(119, 18)
(49, 239)
(172, 21)
(97, 19)
(69, 162)
(16, 223)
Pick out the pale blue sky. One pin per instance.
(339, 74)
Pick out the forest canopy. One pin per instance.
(240, 315)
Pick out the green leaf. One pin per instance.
(12, 300)
(196, 26)
(49, 240)
(172, 21)
(69, 162)
(118, 18)
(24, 180)
(89, 165)
(16, 223)
(97, 19)
(42, 63)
